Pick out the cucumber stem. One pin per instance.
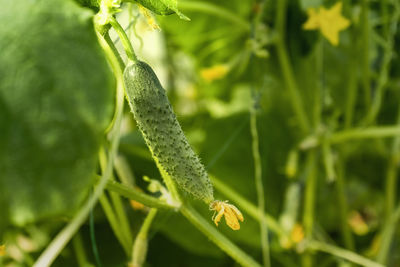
(130, 53)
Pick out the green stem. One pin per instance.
(123, 222)
(385, 16)
(215, 236)
(309, 205)
(352, 88)
(328, 161)
(111, 44)
(388, 233)
(113, 220)
(144, 230)
(95, 250)
(122, 66)
(343, 209)
(143, 198)
(373, 132)
(318, 98)
(62, 238)
(259, 187)
(352, 134)
(365, 52)
(124, 172)
(79, 250)
(351, 92)
(247, 206)
(130, 53)
(286, 67)
(392, 171)
(342, 253)
(383, 77)
(215, 10)
(139, 251)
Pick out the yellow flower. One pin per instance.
(2, 250)
(232, 214)
(357, 223)
(215, 72)
(297, 234)
(329, 21)
(152, 23)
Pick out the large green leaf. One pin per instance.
(56, 99)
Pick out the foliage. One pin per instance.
(294, 114)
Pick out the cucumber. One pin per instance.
(163, 134)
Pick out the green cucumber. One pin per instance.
(162, 132)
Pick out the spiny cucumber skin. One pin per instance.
(162, 132)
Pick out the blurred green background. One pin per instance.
(327, 119)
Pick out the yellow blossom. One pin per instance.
(2, 250)
(357, 223)
(137, 205)
(215, 72)
(297, 234)
(329, 21)
(149, 18)
(231, 213)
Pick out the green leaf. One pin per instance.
(92, 4)
(161, 7)
(56, 99)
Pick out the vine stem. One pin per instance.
(116, 212)
(130, 53)
(309, 205)
(62, 238)
(259, 187)
(352, 90)
(286, 67)
(383, 77)
(365, 51)
(128, 192)
(199, 222)
(343, 208)
(79, 250)
(387, 235)
(215, 236)
(352, 134)
(342, 253)
(391, 174)
(139, 251)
